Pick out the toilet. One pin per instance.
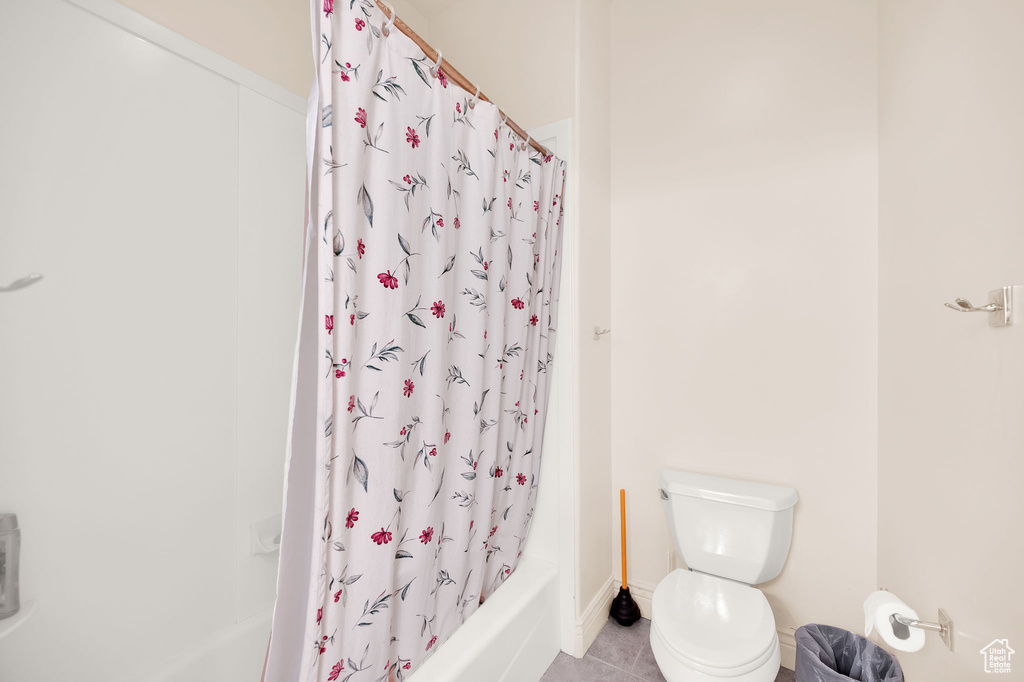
(709, 622)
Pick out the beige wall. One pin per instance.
(413, 18)
(270, 37)
(744, 275)
(952, 404)
(527, 67)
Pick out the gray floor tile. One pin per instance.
(619, 654)
(785, 675)
(620, 646)
(646, 668)
(568, 669)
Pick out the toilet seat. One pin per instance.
(712, 625)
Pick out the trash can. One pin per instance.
(828, 654)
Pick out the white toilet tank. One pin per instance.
(729, 528)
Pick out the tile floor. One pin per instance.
(618, 655)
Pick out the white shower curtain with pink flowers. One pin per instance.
(433, 259)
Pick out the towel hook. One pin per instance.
(1000, 305)
(962, 305)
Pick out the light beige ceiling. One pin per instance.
(431, 8)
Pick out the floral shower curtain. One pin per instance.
(435, 251)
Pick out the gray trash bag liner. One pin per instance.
(828, 654)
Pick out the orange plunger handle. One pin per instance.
(622, 518)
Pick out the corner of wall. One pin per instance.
(593, 618)
(592, 169)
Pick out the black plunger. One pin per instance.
(624, 609)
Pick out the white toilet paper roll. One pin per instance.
(878, 608)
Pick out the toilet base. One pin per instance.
(676, 670)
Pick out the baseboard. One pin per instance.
(593, 618)
(787, 644)
(643, 593)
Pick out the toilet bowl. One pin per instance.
(708, 628)
(709, 623)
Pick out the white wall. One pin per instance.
(145, 379)
(951, 400)
(744, 265)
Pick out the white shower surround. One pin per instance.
(177, 177)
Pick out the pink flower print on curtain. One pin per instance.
(435, 234)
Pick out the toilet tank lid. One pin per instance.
(729, 490)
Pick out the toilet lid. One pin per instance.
(712, 621)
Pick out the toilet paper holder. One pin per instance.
(901, 625)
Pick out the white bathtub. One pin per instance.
(512, 637)
(523, 612)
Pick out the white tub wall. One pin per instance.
(95, 461)
(119, 446)
(271, 163)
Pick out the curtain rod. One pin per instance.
(453, 74)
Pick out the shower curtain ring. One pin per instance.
(436, 68)
(386, 28)
(504, 117)
(472, 102)
(526, 145)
